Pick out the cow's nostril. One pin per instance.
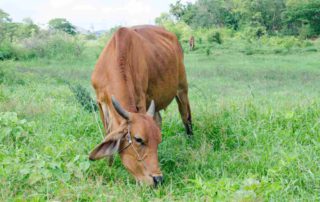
(157, 180)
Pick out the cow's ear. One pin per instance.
(106, 148)
(109, 145)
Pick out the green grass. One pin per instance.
(256, 133)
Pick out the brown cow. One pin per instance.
(140, 66)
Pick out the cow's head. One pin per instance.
(136, 140)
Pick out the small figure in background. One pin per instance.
(191, 43)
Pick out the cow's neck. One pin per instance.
(124, 92)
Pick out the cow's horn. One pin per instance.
(119, 109)
(152, 109)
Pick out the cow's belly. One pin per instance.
(163, 94)
(163, 75)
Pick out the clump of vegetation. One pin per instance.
(7, 51)
(57, 45)
(20, 41)
(244, 21)
(14, 132)
(310, 49)
(270, 17)
(208, 51)
(9, 77)
(83, 97)
(63, 25)
(214, 37)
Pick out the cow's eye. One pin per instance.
(139, 140)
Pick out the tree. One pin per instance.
(4, 17)
(5, 22)
(10, 31)
(189, 13)
(27, 29)
(177, 9)
(163, 18)
(303, 15)
(61, 24)
(183, 12)
(260, 13)
(209, 13)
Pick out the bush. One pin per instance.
(310, 49)
(58, 45)
(208, 51)
(83, 97)
(9, 77)
(251, 33)
(7, 51)
(211, 35)
(13, 130)
(214, 36)
(305, 32)
(53, 45)
(303, 18)
(284, 42)
(278, 50)
(180, 29)
(249, 50)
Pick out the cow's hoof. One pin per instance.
(188, 127)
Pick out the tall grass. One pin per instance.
(45, 44)
(256, 133)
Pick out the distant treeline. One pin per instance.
(26, 40)
(273, 17)
(251, 26)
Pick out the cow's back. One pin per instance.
(139, 64)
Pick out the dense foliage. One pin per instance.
(275, 16)
(27, 40)
(61, 24)
(254, 23)
(261, 26)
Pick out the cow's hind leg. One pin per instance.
(184, 109)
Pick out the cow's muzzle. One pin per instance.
(157, 180)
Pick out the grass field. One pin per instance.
(256, 133)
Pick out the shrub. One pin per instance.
(214, 36)
(180, 29)
(45, 44)
(248, 50)
(83, 97)
(208, 51)
(251, 33)
(53, 45)
(10, 78)
(13, 130)
(283, 42)
(310, 49)
(278, 50)
(305, 32)
(7, 51)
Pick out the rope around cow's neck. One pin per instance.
(128, 136)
